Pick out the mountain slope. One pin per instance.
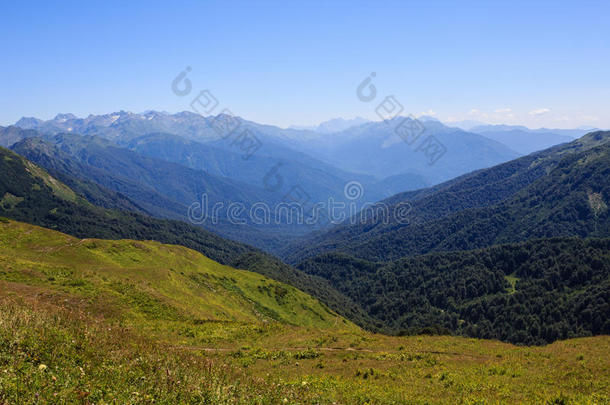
(41, 199)
(13, 134)
(30, 194)
(550, 193)
(532, 293)
(319, 179)
(162, 188)
(525, 140)
(155, 281)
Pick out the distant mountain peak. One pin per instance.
(333, 125)
(466, 125)
(428, 118)
(62, 117)
(28, 122)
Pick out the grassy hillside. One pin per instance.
(30, 194)
(98, 321)
(155, 281)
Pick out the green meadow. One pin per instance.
(119, 321)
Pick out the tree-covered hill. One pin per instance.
(466, 231)
(533, 293)
(563, 191)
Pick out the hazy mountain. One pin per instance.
(525, 140)
(274, 146)
(332, 125)
(573, 133)
(123, 126)
(562, 191)
(28, 122)
(349, 150)
(279, 171)
(320, 180)
(13, 134)
(377, 149)
(164, 189)
(466, 125)
(339, 124)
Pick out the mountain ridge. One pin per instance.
(453, 206)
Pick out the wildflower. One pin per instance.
(42, 367)
(304, 383)
(285, 400)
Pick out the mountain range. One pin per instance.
(489, 241)
(347, 150)
(142, 156)
(525, 140)
(343, 144)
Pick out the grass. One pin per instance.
(92, 321)
(59, 189)
(9, 201)
(512, 280)
(153, 282)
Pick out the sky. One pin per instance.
(540, 64)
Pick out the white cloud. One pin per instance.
(431, 113)
(478, 114)
(503, 110)
(540, 111)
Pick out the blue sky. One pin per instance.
(534, 63)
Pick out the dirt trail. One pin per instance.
(45, 251)
(333, 349)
